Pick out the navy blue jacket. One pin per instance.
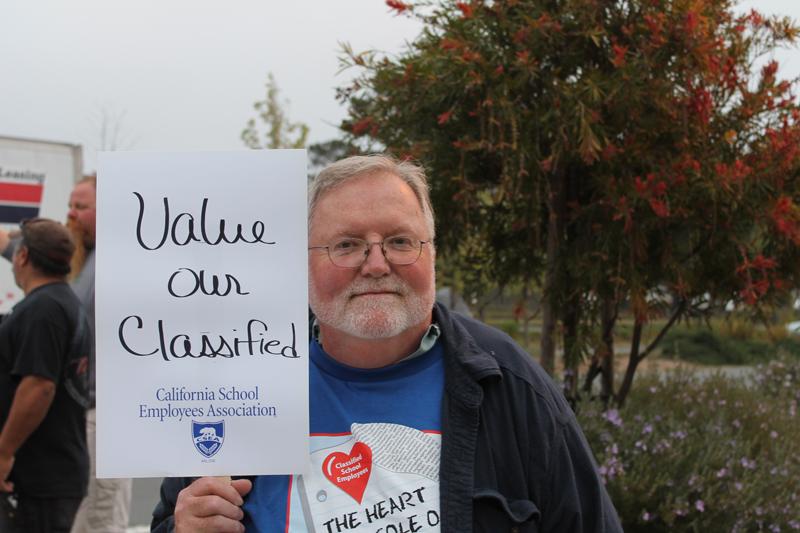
(513, 457)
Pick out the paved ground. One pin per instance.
(145, 497)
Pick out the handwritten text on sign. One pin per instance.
(201, 292)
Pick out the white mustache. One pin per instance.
(361, 287)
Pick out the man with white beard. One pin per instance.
(421, 419)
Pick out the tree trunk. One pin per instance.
(526, 330)
(633, 362)
(571, 350)
(608, 319)
(592, 373)
(636, 358)
(555, 205)
(548, 345)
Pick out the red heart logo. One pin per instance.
(350, 472)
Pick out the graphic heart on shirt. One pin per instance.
(350, 472)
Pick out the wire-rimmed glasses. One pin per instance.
(351, 252)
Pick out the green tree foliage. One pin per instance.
(280, 131)
(638, 152)
(324, 153)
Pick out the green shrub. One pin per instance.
(510, 327)
(710, 347)
(703, 455)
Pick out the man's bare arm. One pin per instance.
(5, 239)
(31, 403)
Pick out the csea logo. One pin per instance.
(208, 437)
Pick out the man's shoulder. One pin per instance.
(497, 346)
(509, 376)
(54, 301)
(83, 284)
(58, 293)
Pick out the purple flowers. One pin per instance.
(700, 506)
(748, 463)
(679, 442)
(612, 415)
(679, 435)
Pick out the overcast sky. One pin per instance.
(183, 74)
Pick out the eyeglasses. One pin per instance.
(352, 253)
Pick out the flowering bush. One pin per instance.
(715, 454)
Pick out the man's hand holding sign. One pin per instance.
(211, 504)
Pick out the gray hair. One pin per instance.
(358, 166)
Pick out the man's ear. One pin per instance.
(22, 254)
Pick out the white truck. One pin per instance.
(36, 178)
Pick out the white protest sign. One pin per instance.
(201, 313)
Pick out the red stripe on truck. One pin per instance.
(21, 192)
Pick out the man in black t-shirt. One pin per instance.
(44, 347)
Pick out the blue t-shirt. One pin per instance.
(375, 447)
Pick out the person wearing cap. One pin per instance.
(44, 359)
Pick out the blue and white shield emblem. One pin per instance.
(208, 437)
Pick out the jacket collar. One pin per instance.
(466, 363)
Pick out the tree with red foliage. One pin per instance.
(621, 152)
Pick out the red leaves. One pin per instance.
(525, 59)
(521, 35)
(465, 8)
(655, 24)
(443, 118)
(757, 276)
(546, 22)
(456, 45)
(650, 186)
(701, 104)
(624, 212)
(768, 72)
(640, 185)
(363, 126)
(397, 5)
(786, 217)
(619, 55)
(659, 207)
(408, 73)
(654, 192)
(784, 145)
(734, 174)
(686, 164)
(610, 151)
(691, 22)
(755, 18)
(450, 44)
(470, 56)
(730, 77)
